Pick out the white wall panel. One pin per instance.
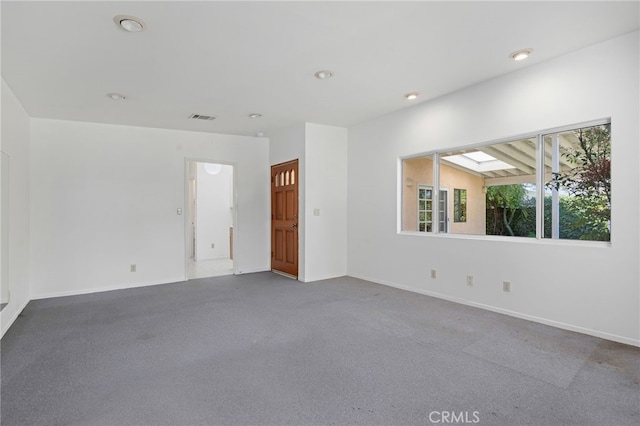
(104, 197)
(325, 204)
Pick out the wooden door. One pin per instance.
(284, 218)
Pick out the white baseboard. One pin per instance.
(552, 323)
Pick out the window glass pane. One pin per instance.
(496, 194)
(443, 213)
(511, 210)
(417, 187)
(578, 184)
(459, 205)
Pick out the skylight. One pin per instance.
(478, 161)
(479, 156)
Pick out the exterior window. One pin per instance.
(552, 185)
(459, 205)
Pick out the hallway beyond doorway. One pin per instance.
(210, 219)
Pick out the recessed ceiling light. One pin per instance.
(130, 23)
(521, 54)
(323, 74)
(412, 95)
(259, 134)
(255, 115)
(116, 96)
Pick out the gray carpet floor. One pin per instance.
(261, 349)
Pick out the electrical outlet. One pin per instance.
(213, 245)
(506, 286)
(133, 267)
(469, 279)
(433, 273)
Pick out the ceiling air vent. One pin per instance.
(202, 117)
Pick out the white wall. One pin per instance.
(326, 194)
(214, 215)
(584, 287)
(15, 143)
(104, 197)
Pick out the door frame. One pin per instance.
(187, 207)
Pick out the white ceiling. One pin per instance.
(230, 59)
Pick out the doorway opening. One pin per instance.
(210, 220)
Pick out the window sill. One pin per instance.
(501, 238)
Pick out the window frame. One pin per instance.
(540, 187)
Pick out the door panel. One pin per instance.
(284, 218)
(279, 244)
(292, 205)
(279, 212)
(290, 247)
